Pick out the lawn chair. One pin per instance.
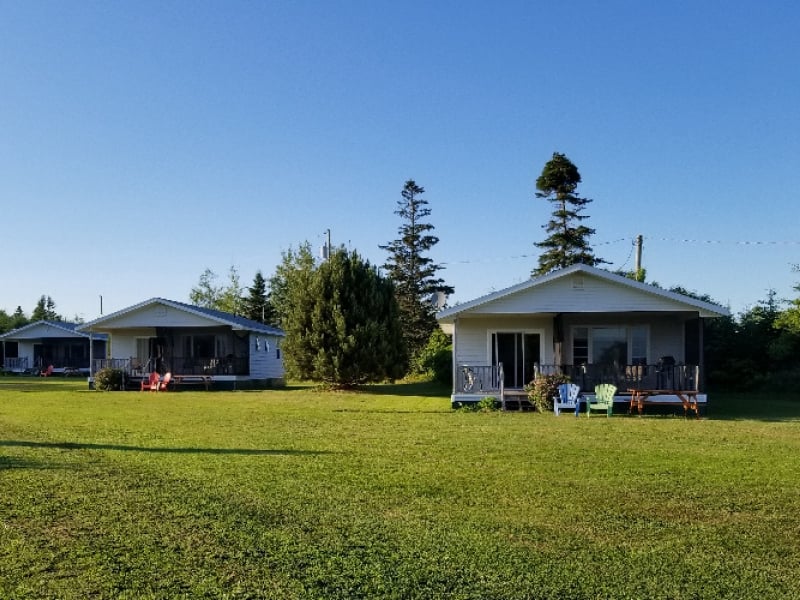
(46, 372)
(152, 383)
(568, 394)
(161, 386)
(603, 399)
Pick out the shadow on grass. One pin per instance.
(84, 446)
(755, 406)
(417, 388)
(8, 462)
(390, 411)
(31, 384)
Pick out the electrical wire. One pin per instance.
(633, 241)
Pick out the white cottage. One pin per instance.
(42, 344)
(590, 324)
(194, 344)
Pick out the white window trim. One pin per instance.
(491, 332)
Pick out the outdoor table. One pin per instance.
(687, 397)
(204, 380)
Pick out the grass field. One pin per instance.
(389, 493)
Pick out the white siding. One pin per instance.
(124, 345)
(44, 330)
(264, 361)
(473, 344)
(578, 293)
(158, 315)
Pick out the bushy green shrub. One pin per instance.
(108, 379)
(485, 404)
(542, 390)
(435, 360)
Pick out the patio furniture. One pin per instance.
(46, 372)
(152, 383)
(161, 386)
(603, 399)
(688, 399)
(568, 394)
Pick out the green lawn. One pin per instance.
(388, 494)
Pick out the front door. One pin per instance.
(518, 351)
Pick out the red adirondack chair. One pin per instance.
(152, 383)
(162, 385)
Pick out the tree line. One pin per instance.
(45, 310)
(349, 322)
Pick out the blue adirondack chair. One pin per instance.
(567, 397)
(603, 399)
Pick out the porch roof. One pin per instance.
(580, 288)
(218, 317)
(48, 329)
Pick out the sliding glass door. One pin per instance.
(518, 351)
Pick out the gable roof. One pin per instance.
(622, 284)
(64, 329)
(223, 318)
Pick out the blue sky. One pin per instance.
(143, 142)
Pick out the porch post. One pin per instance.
(701, 375)
(558, 339)
(454, 359)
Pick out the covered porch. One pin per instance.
(35, 347)
(475, 382)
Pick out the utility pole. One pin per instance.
(638, 263)
(326, 249)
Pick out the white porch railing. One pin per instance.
(16, 364)
(111, 363)
(658, 376)
(476, 379)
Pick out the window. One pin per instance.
(580, 346)
(608, 346)
(639, 345)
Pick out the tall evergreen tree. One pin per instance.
(342, 328)
(567, 241)
(45, 310)
(412, 271)
(18, 319)
(257, 305)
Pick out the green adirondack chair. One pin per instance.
(603, 399)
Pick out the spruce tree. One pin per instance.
(343, 327)
(567, 241)
(412, 271)
(257, 306)
(45, 310)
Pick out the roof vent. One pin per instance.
(577, 283)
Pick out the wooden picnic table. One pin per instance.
(204, 380)
(688, 399)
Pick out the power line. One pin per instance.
(632, 240)
(730, 242)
